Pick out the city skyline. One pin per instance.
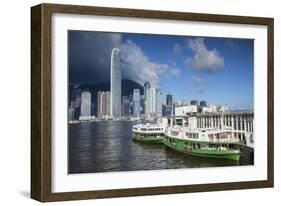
(187, 67)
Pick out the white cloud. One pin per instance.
(203, 59)
(137, 66)
(177, 48)
(175, 72)
(197, 80)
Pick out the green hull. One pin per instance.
(185, 147)
(148, 138)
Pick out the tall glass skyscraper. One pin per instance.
(146, 98)
(146, 87)
(136, 102)
(115, 83)
(85, 104)
(153, 100)
(169, 99)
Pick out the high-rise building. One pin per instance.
(194, 102)
(103, 104)
(77, 93)
(70, 94)
(107, 103)
(151, 102)
(115, 83)
(70, 113)
(148, 101)
(136, 102)
(131, 103)
(125, 106)
(93, 109)
(159, 103)
(99, 104)
(146, 87)
(203, 103)
(167, 110)
(85, 104)
(146, 98)
(76, 102)
(169, 99)
(142, 103)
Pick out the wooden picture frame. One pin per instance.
(41, 96)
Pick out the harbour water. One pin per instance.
(108, 146)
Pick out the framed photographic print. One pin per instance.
(130, 102)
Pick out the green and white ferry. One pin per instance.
(148, 132)
(210, 142)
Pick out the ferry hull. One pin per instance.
(143, 138)
(179, 146)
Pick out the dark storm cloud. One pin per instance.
(89, 56)
(89, 59)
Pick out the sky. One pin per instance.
(217, 70)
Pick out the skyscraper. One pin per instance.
(146, 87)
(203, 103)
(70, 94)
(167, 108)
(93, 109)
(125, 106)
(153, 93)
(85, 104)
(148, 106)
(194, 102)
(107, 103)
(142, 104)
(136, 102)
(146, 99)
(131, 103)
(103, 104)
(169, 99)
(151, 102)
(70, 113)
(115, 83)
(159, 102)
(99, 104)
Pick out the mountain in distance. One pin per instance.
(128, 87)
